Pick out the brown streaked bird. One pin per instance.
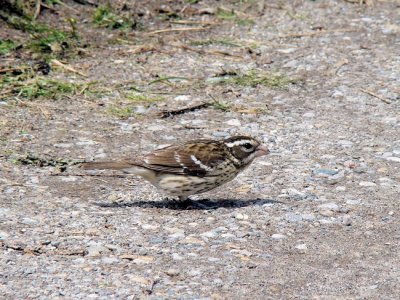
(193, 167)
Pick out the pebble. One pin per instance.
(345, 143)
(28, 221)
(176, 256)
(63, 145)
(156, 127)
(4, 211)
(149, 226)
(328, 206)
(393, 158)
(326, 213)
(69, 179)
(353, 202)
(396, 151)
(172, 272)
(220, 134)
(140, 109)
(309, 114)
(335, 178)
(240, 216)
(177, 235)
(293, 217)
(278, 236)
(308, 217)
(341, 188)
(210, 234)
(109, 260)
(228, 235)
(191, 240)
(293, 194)
(324, 221)
(325, 172)
(287, 50)
(3, 235)
(95, 249)
(85, 143)
(182, 98)
(233, 122)
(347, 221)
(302, 248)
(367, 183)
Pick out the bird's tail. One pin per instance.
(113, 165)
(129, 167)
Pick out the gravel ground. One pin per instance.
(316, 219)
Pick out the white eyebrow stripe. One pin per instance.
(200, 164)
(238, 143)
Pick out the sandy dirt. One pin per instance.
(316, 219)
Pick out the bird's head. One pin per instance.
(245, 149)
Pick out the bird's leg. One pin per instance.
(183, 198)
(187, 202)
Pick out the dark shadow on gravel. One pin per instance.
(204, 204)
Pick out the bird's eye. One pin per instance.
(248, 146)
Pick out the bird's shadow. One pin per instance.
(204, 204)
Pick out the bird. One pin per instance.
(192, 167)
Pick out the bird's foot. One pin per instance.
(192, 204)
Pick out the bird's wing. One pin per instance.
(198, 158)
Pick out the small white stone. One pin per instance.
(340, 188)
(367, 183)
(209, 234)
(309, 114)
(176, 256)
(240, 216)
(278, 236)
(393, 158)
(301, 247)
(233, 122)
(287, 51)
(353, 202)
(149, 227)
(85, 143)
(109, 260)
(172, 272)
(328, 206)
(69, 179)
(182, 98)
(347, 220)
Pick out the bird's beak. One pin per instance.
(261, 150)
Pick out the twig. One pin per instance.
(142, 49)
(90, 175)
(193, 22)
(376, 96)
(48, 7)
(175, 30)
(337, 66)
(298, 35)
(43, 110)
(86, 2)
(13, 69)
(68, 68)
(37, 9)
(166, 80)
(149, 291)
(67, 6)
(214, 52)
(170, 113)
